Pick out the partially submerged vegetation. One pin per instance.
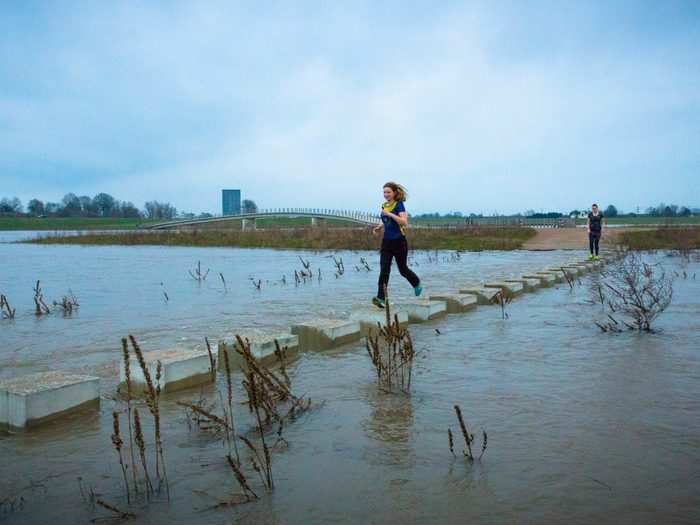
(471, 239)
(667, 238)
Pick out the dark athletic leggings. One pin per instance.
(398, 249)
(593, 241)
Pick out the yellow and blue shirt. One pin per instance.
(392, 229)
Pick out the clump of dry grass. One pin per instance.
(136, 437)
(502, 298)
(67, 304)
(391, 351)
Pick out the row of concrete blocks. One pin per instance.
(32, 399)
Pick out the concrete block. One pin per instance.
(530, 284)
(29, 400)
(572, 271)
(181, 368)
(575, 270)
(322, 334)
(421, 310)
(558, 276)
(457, 302)
(545, 279)
(483, 295)
(512, 288)
(369, 316)
(262, 346)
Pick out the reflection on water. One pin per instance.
(389, 426)
(583, 427)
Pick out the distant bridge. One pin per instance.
(318, 217)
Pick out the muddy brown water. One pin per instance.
(583, 427)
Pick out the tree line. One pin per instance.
(662, 210)
(101, 205)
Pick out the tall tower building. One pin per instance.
(231, 202)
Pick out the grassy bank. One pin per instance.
(471, 239)
(71, 223)
(662, 238)
(94, 223)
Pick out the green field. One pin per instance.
(71, 223)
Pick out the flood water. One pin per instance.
(583, 427)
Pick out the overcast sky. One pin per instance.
(474, 106)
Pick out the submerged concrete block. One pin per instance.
(29, 400)
(457, 302)
(508, 287)
(584, 266)
(369, 316)
(326, 333)
(420, 310)
(483, 295)
(572, 271)
(530, 284)
(545, 279)
(557, 274)
(180, 368)
(262, 346)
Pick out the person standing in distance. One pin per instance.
(595, 231)
(394, 244)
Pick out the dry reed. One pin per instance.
(241, 479)
(118, 442)
(468, 438)
(231, 436)
(127, 375)
(7, 311)
(502, 298)
(212, 360)
(40, 305)
(197, 275)
(152, 394)
(141, 444)
(119, 513)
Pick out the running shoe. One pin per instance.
(379, 303)
(418, 289)
(591, 257)
(596, 258)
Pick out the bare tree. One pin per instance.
(637, 290)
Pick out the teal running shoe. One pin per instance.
(379, 303)
(418, 289)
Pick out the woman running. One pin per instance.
(394, 245)
(595, 231)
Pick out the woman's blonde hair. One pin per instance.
(400, 193)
